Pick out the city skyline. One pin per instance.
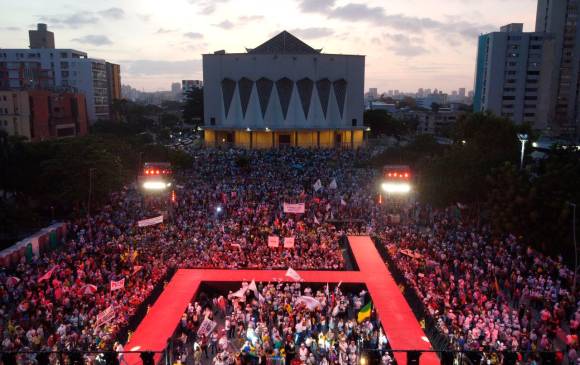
(412, 44)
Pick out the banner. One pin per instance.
(273, 241)
(317, 185)
(47, 275)
(294, 208)
(150, 221)
(206, 327)
(116, 285)
(105, 316)
(288, 242)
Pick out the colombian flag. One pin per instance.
(364, 313)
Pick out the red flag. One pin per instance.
(47, 275)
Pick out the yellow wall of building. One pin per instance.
(242, 139)
(209, 137)
(305, 139)
(262, 140)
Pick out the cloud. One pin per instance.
(316, 6)
(249, 18)
(193, 35)
(207, 7)
(74, 20)
(112, 13)
(164, 31)
(312, 33)
(355, 12)
(226, 24)
(404, 45)
(10, 29)
(144, 17)
(161, 67)
(81, 18)
(94, 39)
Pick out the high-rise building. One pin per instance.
(61, 70)
(113, 87)
(373, 93)
(534, 77)
(41, 37)
(513, 73)
(560, 18)
(462, 92)
(176, 90)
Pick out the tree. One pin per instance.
(382, 123)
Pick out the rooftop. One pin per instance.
(284, 43)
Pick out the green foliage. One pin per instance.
(382, 123)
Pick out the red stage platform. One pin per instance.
(399, 322)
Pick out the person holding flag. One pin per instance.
(364, 313)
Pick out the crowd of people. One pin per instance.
(483, 291)
(486, 292)
(53, 302)
(280, 323)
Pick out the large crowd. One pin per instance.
(52, 303)
(280, 323)
(483, 291)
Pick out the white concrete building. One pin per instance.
(283, 92)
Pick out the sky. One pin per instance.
(408, 44)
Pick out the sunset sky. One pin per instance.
(408, 43)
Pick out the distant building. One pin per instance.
(188, 85)
(513, 75)
(38, 115)
(379, 105)
(113, 87)
(428, 100)
(41, 37)
(283, 93)
(534, 77)
(59, 70)
(373, 93)
(176, 91)
(560, 19)
(461, 92)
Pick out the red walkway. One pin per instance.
(397, 319)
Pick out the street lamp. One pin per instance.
(523, 137)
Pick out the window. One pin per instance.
(531, 98)
(533, 73)
(509, 98)
(354, 121)
(529, 114)
(212, 121)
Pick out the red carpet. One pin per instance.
(398, 320)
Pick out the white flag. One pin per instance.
(317, 185)
(310, 302)
(292, 274)
(333, 184)
(342, 202)
(254, 288)
(316, 220)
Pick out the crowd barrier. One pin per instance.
(31, 247)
